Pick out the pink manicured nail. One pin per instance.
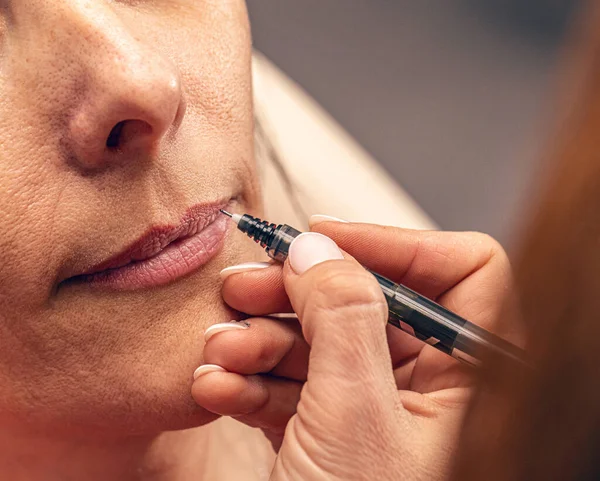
(284, 315)
(318, 218)
(309, 249)
(248, 266)
(225, 326)
(206, 368)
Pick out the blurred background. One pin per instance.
(453, 97)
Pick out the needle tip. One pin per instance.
(226, 213)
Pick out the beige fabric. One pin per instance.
(332, 173)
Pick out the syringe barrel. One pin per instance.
(278, 248)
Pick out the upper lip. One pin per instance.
(157, 238)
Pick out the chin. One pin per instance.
(154, 385)
(150, 405)
(145, 392)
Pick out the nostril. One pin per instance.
(115, 136)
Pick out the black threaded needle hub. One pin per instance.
(261, 231)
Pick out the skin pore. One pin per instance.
(89, 374)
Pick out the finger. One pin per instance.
(343, 314)
(402, 346)
(260, 401)
(481, 296)
(469, 272)
(258, 345)
(404, 350)
(429, 262)
(256, 292)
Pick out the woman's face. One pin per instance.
(124, 126)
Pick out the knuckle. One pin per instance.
(489, 244)
(489, 250)
(496, 255)
(267, 356)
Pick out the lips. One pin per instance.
(164, 253)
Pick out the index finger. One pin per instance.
(467, 272)
(429, 262)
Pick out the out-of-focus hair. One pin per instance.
(545, 425)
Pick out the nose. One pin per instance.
(118, 95)
(127, 109)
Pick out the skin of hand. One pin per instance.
(341, 394)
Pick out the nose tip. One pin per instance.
(125, 116)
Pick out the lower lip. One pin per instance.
(177, 260)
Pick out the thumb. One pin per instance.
(346, 417)
(343, 313)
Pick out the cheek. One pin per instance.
(211, 46)
(30, 193)
(38, 198)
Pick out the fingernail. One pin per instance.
(318, 218)
(206, 368)
(284, 315)
(248, 266)
(309, 249)
(225, 326)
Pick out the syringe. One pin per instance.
(408, 310)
